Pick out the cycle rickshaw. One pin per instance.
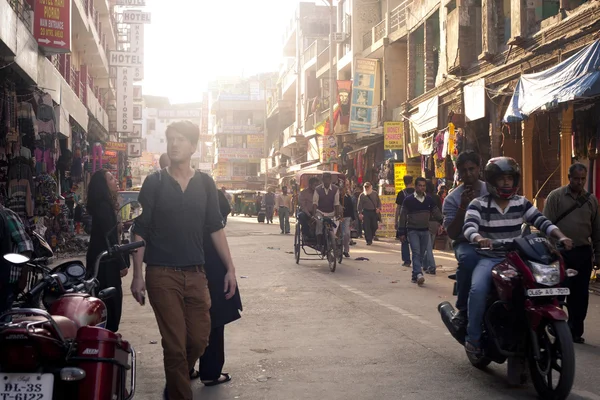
(332, 235)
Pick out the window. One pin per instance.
(239, 170)
(151, 124)
(252, 169)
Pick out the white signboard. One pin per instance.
(124, 100)
(131, 2)
(138, 73)
(137, 93)
(125, 59)
(474, 100)
(137, 40)
(137, 131)
(134, 149)
(136, 17)
(137, 111)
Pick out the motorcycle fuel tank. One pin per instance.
(82, 309)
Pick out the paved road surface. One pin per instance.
(364, 332)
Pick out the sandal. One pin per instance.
(194, 374)
(474, 349)
(218, 381)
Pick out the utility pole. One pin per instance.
(331, 73)
(265, 135)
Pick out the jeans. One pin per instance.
(429, 262)
(467, 258)
(346, 233)
(579, 259)
(418, 241)
(405, 252)
(181, 303)
(481, 284)
(284, 219)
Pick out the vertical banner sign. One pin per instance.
(124, 100)
(204, 114)
(363, 94)
(137, 131)
(52, 25)
(402, 169)
(344, 93)
(393, 135)
(137, 47)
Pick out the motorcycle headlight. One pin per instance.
(546, 274)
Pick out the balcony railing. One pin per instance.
(368, 39)
(310, 52)
(398, 17)
(23, 11)
(379, 31)
(288, 78)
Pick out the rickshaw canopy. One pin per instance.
(302, 177)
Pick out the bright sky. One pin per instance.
(191, 42)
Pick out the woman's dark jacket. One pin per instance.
(104, 222)
(222, 311)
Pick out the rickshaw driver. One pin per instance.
(305, 200)
(326, 203)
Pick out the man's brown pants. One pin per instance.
(181, 303)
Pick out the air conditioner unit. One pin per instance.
(339, 37)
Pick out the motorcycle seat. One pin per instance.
(67, 328)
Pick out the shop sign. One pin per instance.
(52, 25)
(137, 39)
(125, 59)
(115, 146)
(134, 149)
(388, 217)
(138, 73)
(131, 3)
(137, 111)
(393, 135)
(137, 131)
(329, 151)
(137, 93)
(136, 17)
(402, 169)
(221, 170)
(124, 100)
(363, 95)
(255, 141)
(239, 129)
(204, 124)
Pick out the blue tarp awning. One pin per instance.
(576, 77)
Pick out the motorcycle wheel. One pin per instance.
(478, 362)
(556, 354)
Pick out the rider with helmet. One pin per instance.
(497, 216)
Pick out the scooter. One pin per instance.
(524, 320)
(65, 352)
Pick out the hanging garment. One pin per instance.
(20, 199)
(46, 117)
(96, 157)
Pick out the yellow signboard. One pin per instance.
(388, 217)
(402, 169)
(255, 141)
(393, 135)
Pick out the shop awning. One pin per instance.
(426, 118)
(362, 150)
(576, 77)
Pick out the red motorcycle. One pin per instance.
(65, 352)
(524, 321)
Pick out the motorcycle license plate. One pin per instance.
(26, 386)
(548, 292)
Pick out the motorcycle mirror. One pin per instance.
(107, 293)
(525, 230)
(15, 258)
(129, 211)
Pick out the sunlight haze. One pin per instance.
(190, 42)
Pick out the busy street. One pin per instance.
(363, 332)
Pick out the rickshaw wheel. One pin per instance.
(331, 251)
(297, 243)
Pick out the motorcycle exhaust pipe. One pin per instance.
(447, 313)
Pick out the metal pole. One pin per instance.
(266, 140)
(331, 74)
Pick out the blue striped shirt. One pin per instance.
(484, 217)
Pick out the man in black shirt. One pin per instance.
(410, 189)
(180, 205)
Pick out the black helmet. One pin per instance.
(497, 167)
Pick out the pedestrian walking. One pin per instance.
(270, 205)
(222, 311)
(417, 210)
(357, 192)
(283, 204)
(369, 208)
(429, 265)
(258, 202)
(102, 206)
(403, 194)
(348, 215)
(180, 207)
(575, 212)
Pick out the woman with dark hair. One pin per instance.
(222, 311)
(102, 206)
